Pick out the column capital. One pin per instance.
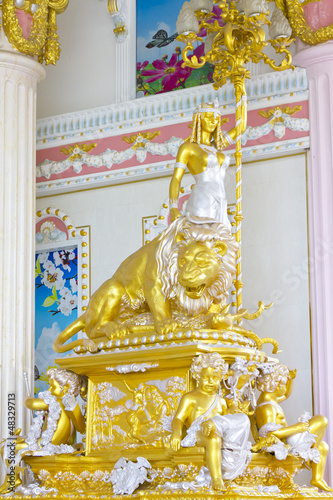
(13, 60)
(316, 54)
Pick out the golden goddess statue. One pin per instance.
(202, 155)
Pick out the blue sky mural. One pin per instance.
(56, 299)
(159, 67)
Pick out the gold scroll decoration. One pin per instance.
(43, 39)
(293, 10)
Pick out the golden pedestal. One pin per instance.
(134, 387)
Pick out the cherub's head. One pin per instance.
(272, 376)
(208, 370)
(64, 381)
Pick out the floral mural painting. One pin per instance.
(56, 299)
(159, 61)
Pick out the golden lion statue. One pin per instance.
(186, 269)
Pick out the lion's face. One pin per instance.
(196, 264)
(198, 268)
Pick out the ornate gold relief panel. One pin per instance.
(134, 411)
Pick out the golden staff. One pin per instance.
(240, 40)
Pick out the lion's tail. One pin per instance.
(72, 329)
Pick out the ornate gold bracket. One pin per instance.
(293, 10)
(43, 38)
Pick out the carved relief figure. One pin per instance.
(204, 159)
(150, 405)
(204, 412)
(304, 439)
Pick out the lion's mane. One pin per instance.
(167, 262)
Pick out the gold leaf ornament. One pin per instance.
(74, 151)
(138, 139)
(273, 111)
(294, 12)
(43, 39)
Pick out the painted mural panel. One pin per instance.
(56, 298)
(159, 53)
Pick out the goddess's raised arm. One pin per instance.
(231, 136)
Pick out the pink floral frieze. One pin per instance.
(266, 126)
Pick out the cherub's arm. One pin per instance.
(183, 156)
(77, 419)
(36, 404)
(289, 386)
(184, 410)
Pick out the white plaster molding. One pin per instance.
(127, 475)
(134, 367)
(278, 122)
(161, 169)
(172, 107)
(118, 12)
(123, 13)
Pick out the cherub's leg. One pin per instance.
(317, 427)
(318, 470)
(213, 449)
(10, 482)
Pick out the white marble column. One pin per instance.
(125, 68)
(318, 61)
(19, 75)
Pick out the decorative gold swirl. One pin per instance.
(287, 110)
(43, 38)
(293, 10)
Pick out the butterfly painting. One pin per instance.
(161, 39)
(159, 53)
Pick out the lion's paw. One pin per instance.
(89, 345)
(121, 331)
(221, 322)
(166, 326)
(113, 330)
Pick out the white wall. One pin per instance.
(274, 249)
(84, 75)
(275, 259)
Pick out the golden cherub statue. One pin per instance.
(58, 417)
(211, 424)
(304, 439)
(202, 155)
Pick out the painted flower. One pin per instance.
(43, 257)
(63, 258)
(170, 72)
(73, 284)
(53, 276)
(67, 302)
(140, 66)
